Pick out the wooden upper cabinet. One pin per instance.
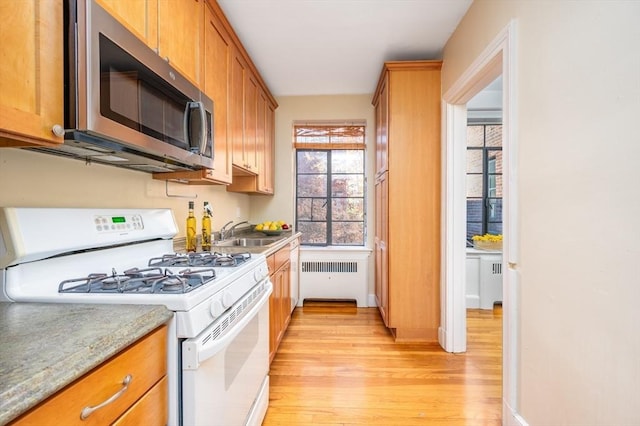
(173, 28)
(381, 103)
(217, 65)
(236, 108)
(139, 16)
(266, 176)
(262, 182)
(250, 122)
(180, 31)
(31, 72)
(243, 116)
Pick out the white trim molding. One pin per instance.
(498, 58)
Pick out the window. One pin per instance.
(484, 179)
(330, 184)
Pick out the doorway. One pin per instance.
(484, 200)
(498, 59)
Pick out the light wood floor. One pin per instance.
(338, 365)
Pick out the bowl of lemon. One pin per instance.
(272, 227)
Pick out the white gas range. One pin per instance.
(218, 344)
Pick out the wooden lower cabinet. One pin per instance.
(142, 401)
(280, 301)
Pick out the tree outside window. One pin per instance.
(330, 184)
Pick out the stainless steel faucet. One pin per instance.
(236, 225)
(223, 230)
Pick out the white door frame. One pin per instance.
(498, 58)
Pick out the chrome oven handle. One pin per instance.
(87, 411)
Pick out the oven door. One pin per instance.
(225, 372)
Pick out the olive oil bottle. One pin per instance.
(206, 227)
(191, 229)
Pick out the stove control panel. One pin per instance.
(119, 223)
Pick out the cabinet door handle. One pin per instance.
(86, 411)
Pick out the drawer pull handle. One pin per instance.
(86, 411)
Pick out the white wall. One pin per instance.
(31, 179)
(578, 102)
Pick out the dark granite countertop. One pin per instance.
(44, 347)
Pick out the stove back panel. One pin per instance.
(28, 234)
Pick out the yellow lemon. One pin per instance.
(273, 228)
(259, 227)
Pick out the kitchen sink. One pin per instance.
(247, 242)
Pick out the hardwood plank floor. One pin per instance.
(339, 365)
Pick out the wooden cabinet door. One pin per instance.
(269, 150)
(286, 297)
(139, 16)
(179, 34)
(274, 314)
(217, 64)
(236, 108)
(382, 128)
(264, 145)
(31, 72)
(250, 122)
(381, 253)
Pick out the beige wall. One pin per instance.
(32, 179)
(578, 103)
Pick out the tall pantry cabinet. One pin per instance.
(407, 241)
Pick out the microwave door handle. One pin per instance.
(187, 125)
(188, 110)
(202, 143)
(203, 128)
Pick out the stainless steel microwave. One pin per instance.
(125, 105)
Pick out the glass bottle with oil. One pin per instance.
(191, 229)
(206, 227)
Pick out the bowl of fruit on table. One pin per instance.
(272, 228)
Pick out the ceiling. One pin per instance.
(328, 47)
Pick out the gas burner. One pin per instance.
(173, 259)
(229, 259)
(184, 281)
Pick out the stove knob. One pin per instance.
(216, 308)
(227, 299)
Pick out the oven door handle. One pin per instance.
(195, 352)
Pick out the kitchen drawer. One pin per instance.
(282, 256)
(145, 362)
(150, 410)
(271, 263)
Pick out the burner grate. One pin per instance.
(134, 280)
(200, 259)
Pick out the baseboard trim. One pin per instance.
(510, 417)
(371, 301)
